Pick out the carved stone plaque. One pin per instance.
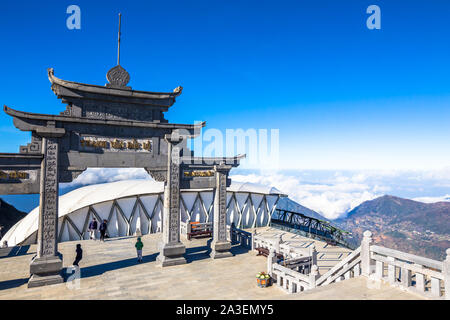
(91, 144)
(174, 205)
(220, 209)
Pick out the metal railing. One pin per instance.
(314, 228)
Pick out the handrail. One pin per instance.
(407, 257)
(292, 273)
(354, 255)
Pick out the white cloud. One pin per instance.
(331, 194)
(332, 199)
(103, 175)
(433, 199)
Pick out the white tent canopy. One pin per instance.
(132, 204)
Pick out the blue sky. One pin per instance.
(343, 96)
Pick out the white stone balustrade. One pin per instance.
(427, 277)
(292, 281)
(285, 249)
(422, 275)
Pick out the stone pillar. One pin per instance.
(45, 268)
(171, 248)
(365, 253)
(446, 272)
(220, 246)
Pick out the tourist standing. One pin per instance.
(102, 229)
(79, 255)
(92, 228)
(139, 245)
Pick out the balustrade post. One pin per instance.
(365, 253)
(379, 268)
(347, 274)
(253, 239)
(435, 287)
(420, 279)
(278, 241)
(357, 271)
(313, 254)
(391, 270)
(188, 227)
(313, 276)
(405, 277)
(270, 261)
(446, 272)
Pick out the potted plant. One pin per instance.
(262, 279)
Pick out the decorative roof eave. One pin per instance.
(116, 91)
(62, 118)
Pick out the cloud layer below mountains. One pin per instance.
(332, 198)
(331, 193)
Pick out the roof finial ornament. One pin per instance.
(118, 76)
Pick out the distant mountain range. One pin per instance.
(406, 225)
(9, 216)
(402, 224)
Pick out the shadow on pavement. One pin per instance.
(192, 254)
(99, 269)
(12, 283)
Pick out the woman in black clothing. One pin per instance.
(79, 255)
(103, 227)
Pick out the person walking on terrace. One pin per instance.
(139, 245)
(102, 229)
(92, 228)
(79, 255)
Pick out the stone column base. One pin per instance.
(172, 254)
(220, 250)
(45, 271)
(39, 281)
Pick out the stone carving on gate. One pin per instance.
(118, 76)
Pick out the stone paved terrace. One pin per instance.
(109, 271)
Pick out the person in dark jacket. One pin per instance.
(79, 255)
(139, 246)
(102, 229)
(92, 228)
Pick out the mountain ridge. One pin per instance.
(9, 216)
(403, 224)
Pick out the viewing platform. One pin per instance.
(109, 270)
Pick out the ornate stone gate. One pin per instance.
(110, 126)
